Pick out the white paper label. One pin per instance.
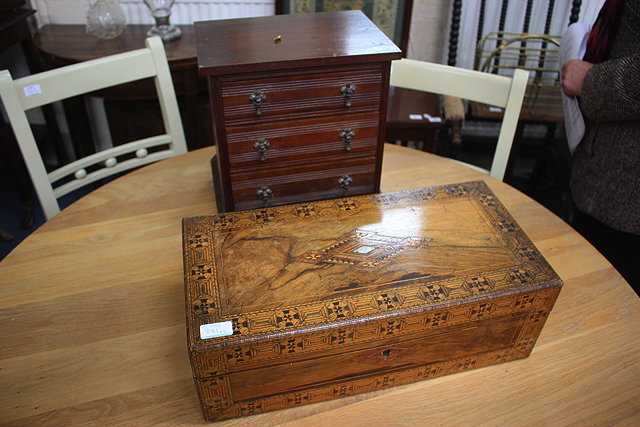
(495, 109)
(415, 116)
(32, 90)
(213, 330)
(432, 119)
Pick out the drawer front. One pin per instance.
(300, 95)
(459, 349)
(466, 341)
(266, 144)
(339, 178)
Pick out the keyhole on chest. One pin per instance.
(386, 353)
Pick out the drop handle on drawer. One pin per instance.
(264, 193)
(344, 182)
(256, 99)
(346, 136)
(261, 147)
(347, 91)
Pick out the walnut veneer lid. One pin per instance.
(290, 41)
(310, 265)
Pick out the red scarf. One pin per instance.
(603, 32)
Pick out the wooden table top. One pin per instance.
(92, 320)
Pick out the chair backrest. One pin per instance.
(491, 89)
(26, 93)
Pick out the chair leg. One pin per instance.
(515, 148)
(27, 215)
(456, 133)
(5, 236)
(450, 139)
(10, 151)
(539, 166)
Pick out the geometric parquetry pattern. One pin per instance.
(363, 250)
(525, 291)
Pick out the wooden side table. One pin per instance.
(132, 108)
(540, 105)
(406, 120)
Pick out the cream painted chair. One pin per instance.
(492, 89)
(26, 93)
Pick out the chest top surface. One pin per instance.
(288, 41)
(305, 265)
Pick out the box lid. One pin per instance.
(253, 275)
(290, 41)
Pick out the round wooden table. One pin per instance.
(92, 320)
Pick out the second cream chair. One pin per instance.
(492, 89)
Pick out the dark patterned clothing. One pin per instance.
(605, 176)
(603, 32)
(621, 249)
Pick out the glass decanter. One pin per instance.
(106, 19)
(161, 11)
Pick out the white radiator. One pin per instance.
(188, 11)
(515, 19)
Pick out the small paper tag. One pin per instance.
(213, 330)
(415, 116)
(495, 109)
(432, 119)
(32, 90)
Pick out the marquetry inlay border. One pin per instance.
(202, 292)
(534, 306)
(216, 393)
(425, 307)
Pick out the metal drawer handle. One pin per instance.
(261, 147)
(346, 136)
(345, 181)
(347, 90)
(257, 98)
(264, 193)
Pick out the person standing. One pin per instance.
(605, 173)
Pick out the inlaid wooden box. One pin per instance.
(302, 303)
(298, 105)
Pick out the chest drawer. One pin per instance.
(265, 144)
(334, 178)
(296, 95)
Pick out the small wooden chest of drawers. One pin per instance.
(298, 104)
